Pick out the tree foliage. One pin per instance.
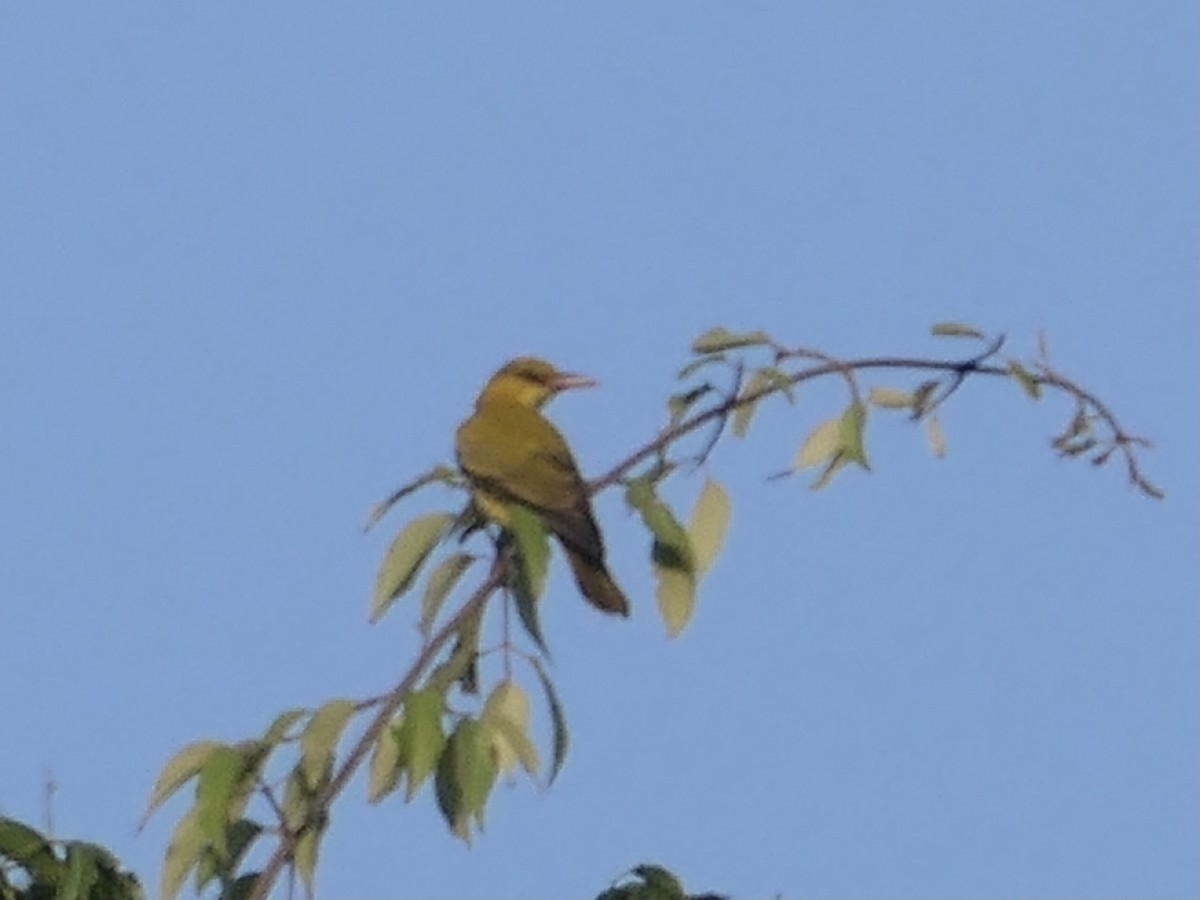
(459, 719)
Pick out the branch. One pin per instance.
(959, 369)
(391, 703)
(1088, 407)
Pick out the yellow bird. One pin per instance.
(511, 453)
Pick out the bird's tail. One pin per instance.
(596, 585)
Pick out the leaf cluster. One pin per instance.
(462, 716)
(36, 867)
(652, 882)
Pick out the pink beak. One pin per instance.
(565, 381)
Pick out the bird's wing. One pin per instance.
(515, 454)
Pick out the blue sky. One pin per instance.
(255, 262)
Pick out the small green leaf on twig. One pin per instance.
(441, 582)
(533, 550)
(955, 329)
(307, 849)
(821, 444)
(891, 398)
(1026, 379)
(278, 729)
(763, 382)
(183, 852)
(321, 735)
(834, 466)
(387, 764)
(708, 524)
(505, 718)
(697, 364)
(558, 720)
(679, 404)
(671, 555)
(923, 398)
(421, 737)
(214, 790)
(676, 595)
(466, 773)
(853, 434)
(179, 770)
(672, 546)
(716, 340)
(405, 557)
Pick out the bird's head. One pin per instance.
(531, 382)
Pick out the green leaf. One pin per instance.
(321, 735)
(460, 663)
(505, 719)
(955, 329)
(756, 386)
(183, 852)
(240, 888)
(822, 444)
(298, 799)
(254, 755)
(29, 849)
(923, 397)
(531, 620)
(831, 469)
(660, 883)
(278, 729)
(672, 546)
(762, 384)
(1080, 424)
(708, 524)
(421, 737)
(405, 557)
(387, 764)
(891, 398)
(308, 846)
(1026, 379)
(179, 770)
(742, 416)
(558, 719)
(82, 872)
(935, 436)
(853, 426)
(715, 340)
(676, 595)
(218, 780)
(779, 382)
(679, 404)
(241, 836)
(511, 745)
(441, 582)
(105, 860)
(533, 550)
(465, 775)
(697, 364)
(1078, 448)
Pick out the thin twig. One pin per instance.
(970, 366)
(711, 443)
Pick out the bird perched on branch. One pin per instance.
(511, 453)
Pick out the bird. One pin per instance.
(511, 453)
